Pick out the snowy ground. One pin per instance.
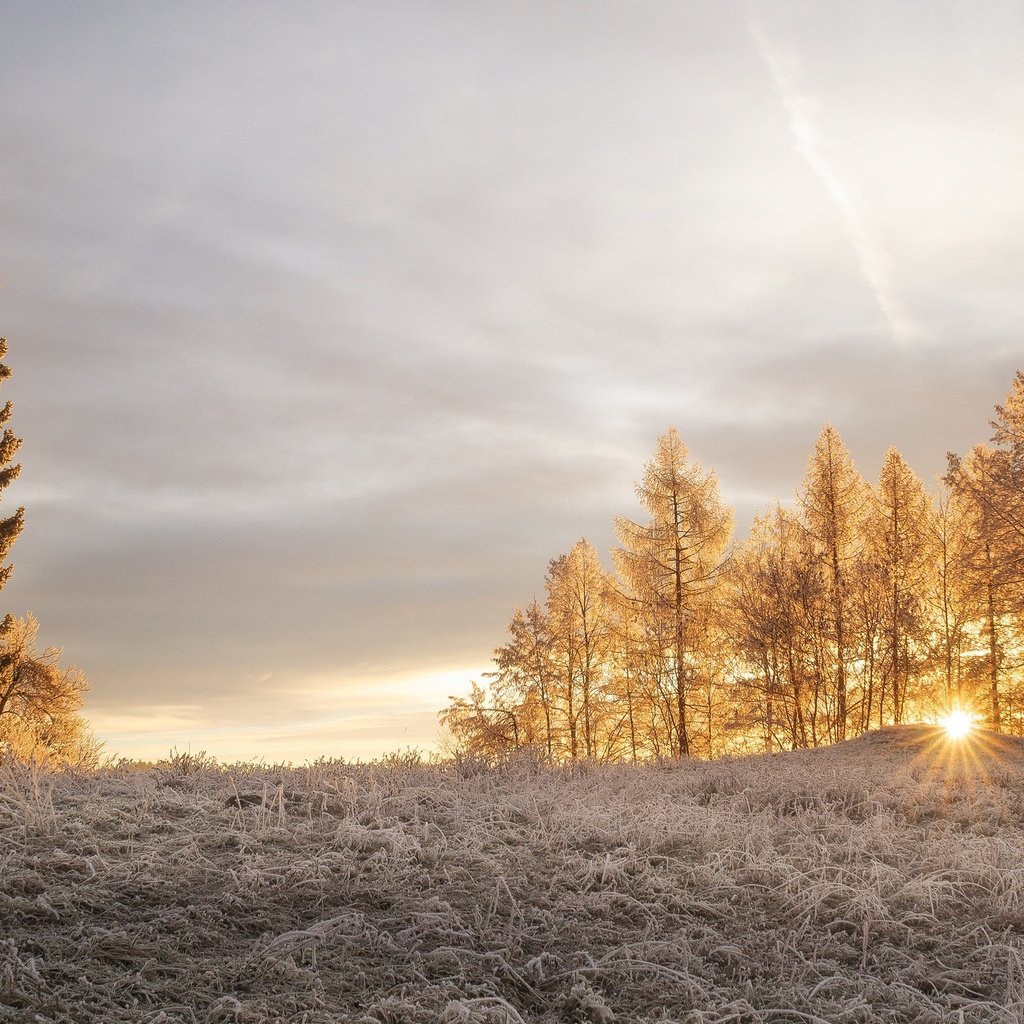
(878, 881)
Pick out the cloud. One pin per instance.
(328, 334)
(802, 110)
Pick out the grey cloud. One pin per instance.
(329, 328)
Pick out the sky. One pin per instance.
(332, 323)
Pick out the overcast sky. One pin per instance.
(332, 322)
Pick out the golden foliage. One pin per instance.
(863, 606)
(40, 700)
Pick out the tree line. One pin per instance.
(861, 605)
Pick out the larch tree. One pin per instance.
(989, 566)
(858, 607)
(480, 726)
(771, 582)
(898, 536)
(579, 613)
(525, 666)
(671, 564)
(1008, 471)
(625, 685)
(989, 487)
(833, 502)
(948, 595)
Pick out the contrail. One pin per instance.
(784, 67)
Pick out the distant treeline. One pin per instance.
(860, 606)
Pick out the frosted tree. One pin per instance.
(670, 565)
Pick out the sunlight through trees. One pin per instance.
(859, 606)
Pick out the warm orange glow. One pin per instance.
(957, 724)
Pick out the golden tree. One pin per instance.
(670, 566)
(833, 502)
(773, 586)
(40, 699)
(899, 533)
(989, 573)
(579, 613)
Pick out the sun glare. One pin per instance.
(957, 724)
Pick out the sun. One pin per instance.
(957, 724)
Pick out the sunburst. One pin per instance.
(958, 724)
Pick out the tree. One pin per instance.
(40, 700)
(524, 668)
(948, 593)
(898, 538)
(581, 632)
(10, 526)
(859, 607)
(833, 502)
(479, 726)
(1007, 471)
(989, 564)
(772, 584)
(989, 486)
(670, 566)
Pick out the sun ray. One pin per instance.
(958, 724)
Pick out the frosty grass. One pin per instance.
(881, 880)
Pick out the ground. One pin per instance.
(880, 880)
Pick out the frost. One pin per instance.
(881, 880)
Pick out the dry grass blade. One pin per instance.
(870, 882)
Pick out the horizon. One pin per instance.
(329, 331)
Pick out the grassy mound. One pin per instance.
(880, 880)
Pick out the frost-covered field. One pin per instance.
(878, 881)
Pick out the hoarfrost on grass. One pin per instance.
(882, 880)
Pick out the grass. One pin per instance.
(881, 880)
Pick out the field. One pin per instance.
(881, 880)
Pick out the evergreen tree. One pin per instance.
(10, 526)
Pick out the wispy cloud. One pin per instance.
(802, 109)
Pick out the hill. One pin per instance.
(879, 880)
